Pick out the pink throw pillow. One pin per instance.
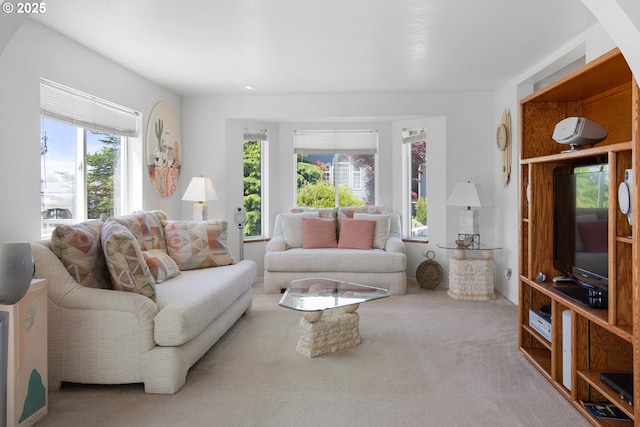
(356, 233)
(318, 233)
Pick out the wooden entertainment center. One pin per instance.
(601, 339)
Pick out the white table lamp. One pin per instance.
(466, 194)
(200, 190)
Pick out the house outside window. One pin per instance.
(335, 168)
(254, 162)
(83, 157)
(414, 140)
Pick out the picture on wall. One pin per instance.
(163, 149)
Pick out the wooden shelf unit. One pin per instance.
(602, 340)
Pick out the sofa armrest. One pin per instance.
(276, 244)
(395, 244)
(65, 292)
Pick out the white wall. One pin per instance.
(33, 52)
(460, 125)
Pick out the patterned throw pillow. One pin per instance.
(161, 265)
(129, 272)
(147, 227)
(198, 244)
(79, 248)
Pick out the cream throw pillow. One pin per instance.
(381, 230)
(292, 227)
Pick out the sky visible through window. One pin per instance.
(61, 145)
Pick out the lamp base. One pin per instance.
(468, 221)
(199, 211)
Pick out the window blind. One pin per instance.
(83, 110)
(339, 141)
(255, 135)
(411, 135)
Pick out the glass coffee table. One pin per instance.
(329, 320)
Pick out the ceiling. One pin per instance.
(323, 46)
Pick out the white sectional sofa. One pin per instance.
(383, 265)
(142, 332)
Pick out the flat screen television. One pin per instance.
(581, 231)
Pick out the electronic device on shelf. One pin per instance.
(581, 232)
(578, 131)
(541, 323)
(621, 382)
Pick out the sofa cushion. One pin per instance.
(356, 233)
(161, 265)
(292, 227)
(349, 211)
(335, 260)
(198, 244)
(79, 248)
(318, 233)
(146, 227)
(380, 231)
(129, 271)
(322, 212)
(183, 315)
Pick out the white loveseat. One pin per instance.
(384, 265)
(108, 336)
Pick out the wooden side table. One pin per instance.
(27, 374)
(471, 278)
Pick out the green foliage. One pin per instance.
(101, 171)
(591, 193)
(252, 187)
(420, 214)
(322, 195)
(307, 173)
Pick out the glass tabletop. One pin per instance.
(454, 245)
(324, 294)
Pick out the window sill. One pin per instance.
(256, 239)
(413, 240)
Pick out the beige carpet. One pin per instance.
(425, 360)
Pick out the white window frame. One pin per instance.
(354, 142)
(262, 136)
(89, 113)
(411, 135)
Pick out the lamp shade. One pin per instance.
(465, 194)
(200, 189)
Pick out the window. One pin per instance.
(335, 168)
(416, 149)
(84, 142)
(254, 156)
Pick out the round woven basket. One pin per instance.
(429, 273)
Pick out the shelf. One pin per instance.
(579, 154)
(593, 379)
(599, 316)
(540, 359)
(535, 335)
(606, 339)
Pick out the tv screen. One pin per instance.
(581, 226)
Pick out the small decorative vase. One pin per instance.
(16, 271)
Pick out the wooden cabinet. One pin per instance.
(603, 339)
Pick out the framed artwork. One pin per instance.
(163, 149)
